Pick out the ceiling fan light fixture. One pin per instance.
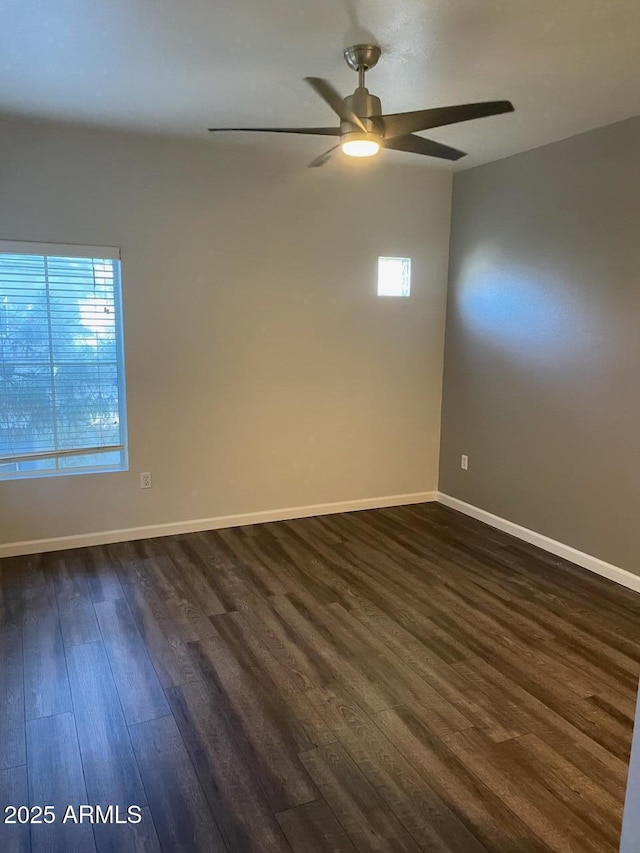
(360, 145)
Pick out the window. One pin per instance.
(62, 395)
(394, 276)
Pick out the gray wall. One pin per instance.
(262, 370)
(542, 354)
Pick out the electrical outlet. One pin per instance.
(464, 462)
(145, 480)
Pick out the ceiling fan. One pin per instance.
(364, 129)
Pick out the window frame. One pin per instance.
(71, 252)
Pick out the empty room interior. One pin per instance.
(319, 418)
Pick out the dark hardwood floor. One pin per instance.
(392, 680)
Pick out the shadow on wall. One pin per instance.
(356, 32)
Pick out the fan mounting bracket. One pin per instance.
(362, 56)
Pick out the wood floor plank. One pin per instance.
(413, 618)
(128, 838)
(618, 704)
(313, 828)
(12, 720)
(253, 656)
(129, 562)
(318, 640)
(341, 567)
(46, 685)
(539, 674)
(586, 630)
(245, 633)
(367, 820)
(305, 665)
(261, 725)
(526, 794)
(583, 796)
(387, 669)
(140, 692)
(197, 594)
(110, 769)
(297, 568)
(14, 837)
(599, 724)
(555, 633)
(474, 705)
(163, 633)
(529, 713)
(102, 575)
(56, 778)
(12, 588)
(483, 811)
(181, 814)
(243, 551)
(77, 617)
(234, 790)
(420, 809)
(228, 581)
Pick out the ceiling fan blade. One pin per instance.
(330, 96)
(323, 158)
(316, 131)
(400, 124)
(419, 145)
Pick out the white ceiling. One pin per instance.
(178, 66)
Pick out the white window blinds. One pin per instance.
(62, 402)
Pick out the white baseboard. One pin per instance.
(128, 534)
(586, 561)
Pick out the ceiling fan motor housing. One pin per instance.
(365, 106)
